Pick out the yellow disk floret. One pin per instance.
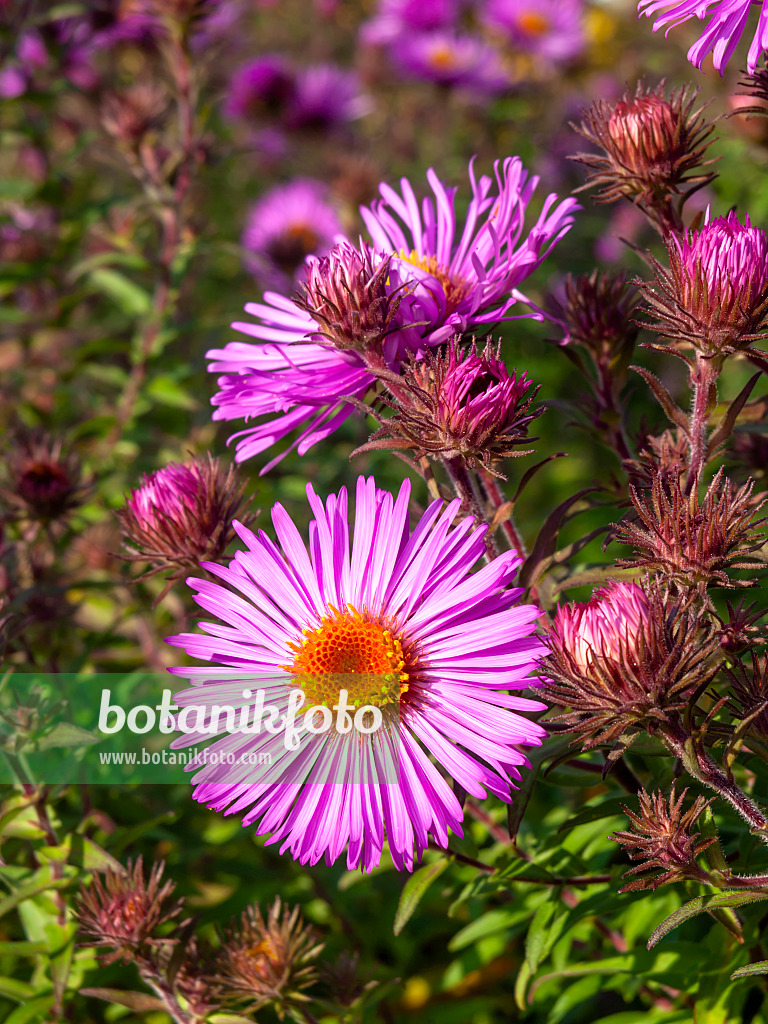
(347, 651)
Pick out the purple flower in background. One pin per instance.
(397, 620)
(325, 96)
(301, 383)
(723, 31)
(547, 28)
(288, 224)
(395, 18)
(261, 88)
(446, 58)
(479, 267)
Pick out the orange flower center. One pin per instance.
(533, 23)
(349, 652)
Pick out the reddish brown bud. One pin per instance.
(662, 840)
(691, 541)
(652, 147)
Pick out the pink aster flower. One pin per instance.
(605, 628)
(399, 617)
(259, 88)
(450, 59)
(394, 18)
(553, 29)
(722, 32)
(325, 96)
(478, 267)
(285, 226)
(299, 383)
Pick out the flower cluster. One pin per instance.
(431, 41)
(440, 280)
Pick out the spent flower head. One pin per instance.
(692, 541)
(42, 480)
(459, 403)
(652, 145)
(349, 295)
(126, 914)
(662, 840)
(714, 296)
(596, 313)
(268, 961)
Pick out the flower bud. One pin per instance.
(460, 403)
(182, 515)
(662, 838)
(626, 661)
(714, 297)
(652, 147)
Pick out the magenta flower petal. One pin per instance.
(385, 588)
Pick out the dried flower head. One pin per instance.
(714, 297)
(691, 541)
(42, 480)
(664, 458)
(627, 660)
(459, 403)
(267, 962)
(196, 980)
(662, 839)
(740, 630)
(349, 296)
(597, 315)
(126, 914)
(127, 116)
(183, 514)
(749, 687)
(652, 146)
(749, 451)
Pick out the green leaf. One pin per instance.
(133, 300)
(67, 734)
(167, 391)
(139, 1001)
(17, 990)
(700, 905)
(751, 970)
(22, 948)
(414, 890)
(41, 881)
(35, 1011)
(607, 809)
